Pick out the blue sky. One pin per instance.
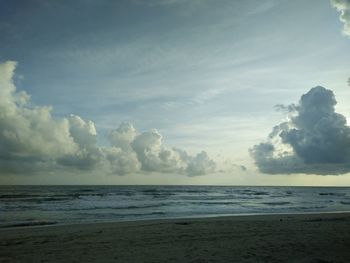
(206, 74)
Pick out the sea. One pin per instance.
(57, 205)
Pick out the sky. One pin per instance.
(175, 92)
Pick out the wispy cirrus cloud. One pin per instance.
(343, 6)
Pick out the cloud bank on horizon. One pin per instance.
(31, 140)
(343, 6)
(314, 140)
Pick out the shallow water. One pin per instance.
(41, 205)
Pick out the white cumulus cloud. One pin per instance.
(315, 139)
(31, 140)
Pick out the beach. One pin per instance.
(254, 238)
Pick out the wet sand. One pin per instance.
(271, 238)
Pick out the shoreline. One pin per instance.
(50, 224)
(320, 237)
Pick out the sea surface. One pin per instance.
(47, 205)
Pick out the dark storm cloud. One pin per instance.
(315, 140)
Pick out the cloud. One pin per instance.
(152, 155)
(314, 140)
(343, 6)
(200, 164)
(123, 136)
(84, 135)
(31, 140)
(29, 137)
(131, 152)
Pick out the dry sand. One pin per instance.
(272, 238)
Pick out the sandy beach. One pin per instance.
(263, 238)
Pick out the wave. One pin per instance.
(117, 217)
(39, 199)
(216, 203)
(85, 190)
(276, 203)
(17, 196)
(250, 197)
(311, 207)
(332, 194)
(251, 192)
(94, 203)
(144, 214)
(32, 223)
(173, 191)
(46, 198)
(113, 207)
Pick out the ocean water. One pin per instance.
(45, 205)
